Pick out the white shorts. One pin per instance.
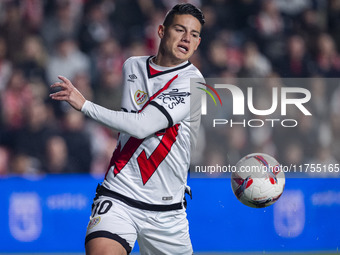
(156, 232)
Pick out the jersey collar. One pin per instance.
(152, 72)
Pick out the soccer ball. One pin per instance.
(258, 180)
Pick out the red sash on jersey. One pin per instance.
(147, 165)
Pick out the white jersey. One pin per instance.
(154, 170)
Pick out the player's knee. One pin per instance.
(104, 246)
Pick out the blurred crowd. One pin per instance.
(89, 40)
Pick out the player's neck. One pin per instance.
(161, 60)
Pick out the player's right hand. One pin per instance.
(68, 93)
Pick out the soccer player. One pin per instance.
(142, 195)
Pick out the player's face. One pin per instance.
(181, 38)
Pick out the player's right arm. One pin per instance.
(68, 93)
(139, 125)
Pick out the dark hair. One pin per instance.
(180, 9)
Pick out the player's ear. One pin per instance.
(198, 43)
(161, 31)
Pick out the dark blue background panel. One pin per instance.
(50, 214)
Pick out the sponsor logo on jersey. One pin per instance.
(132, 77)
(140, 97)
(167, 198)
(93, 222)
(173, 98)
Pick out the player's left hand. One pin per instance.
(68, 93)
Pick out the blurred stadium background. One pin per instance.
(52, 157)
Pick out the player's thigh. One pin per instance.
(166, 233)
(110, 223)
(104, 246)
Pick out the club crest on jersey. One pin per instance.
(93, 222)
(140, 97)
